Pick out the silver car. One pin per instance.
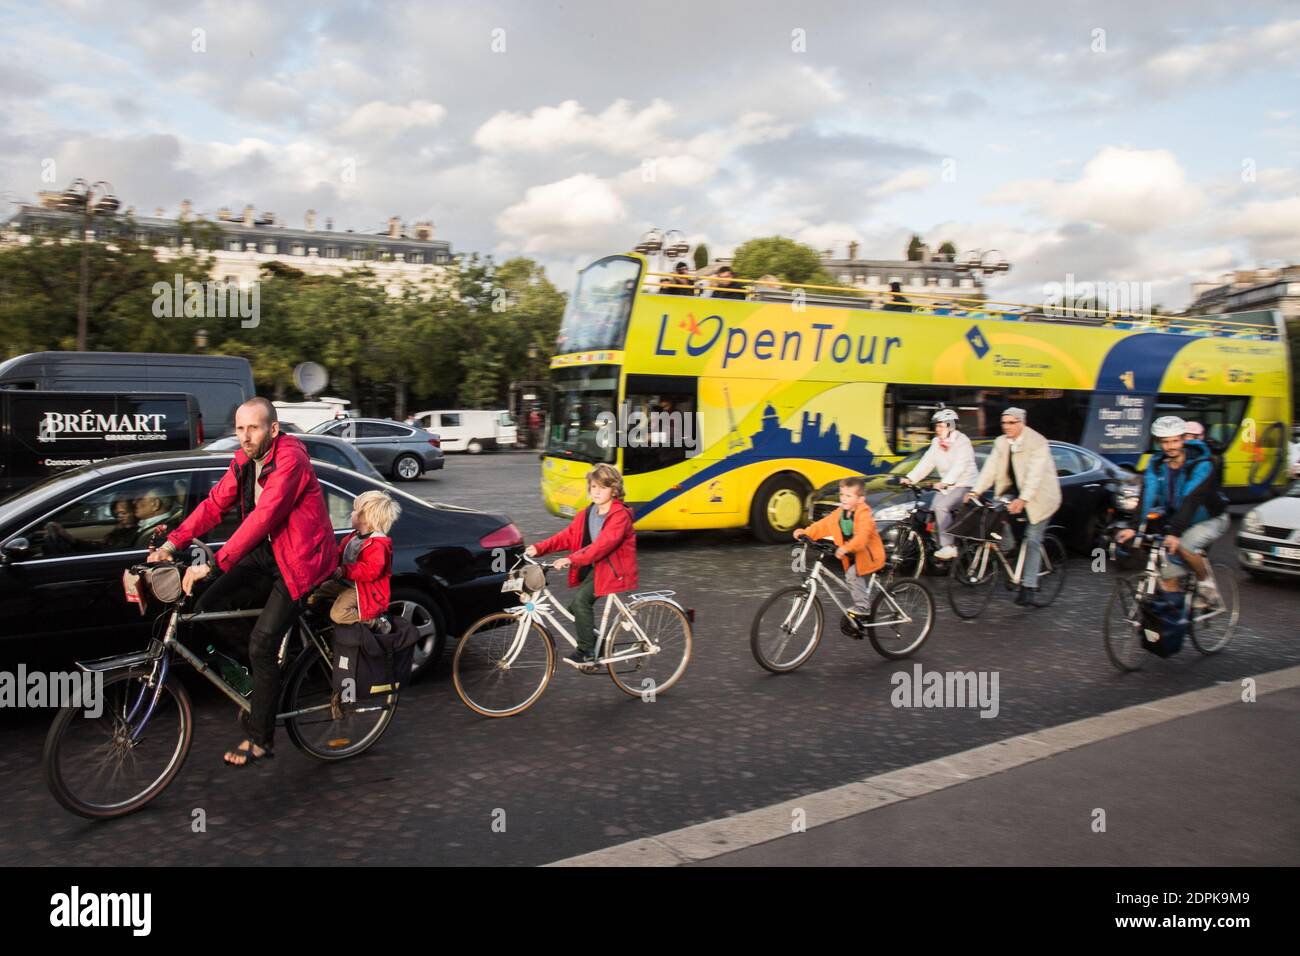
(403, 451)
(1269, 540)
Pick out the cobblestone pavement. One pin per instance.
(589, 766)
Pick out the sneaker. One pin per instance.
(1207, 596)
(581, 660)
(946, 553)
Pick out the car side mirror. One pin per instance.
(15, 549)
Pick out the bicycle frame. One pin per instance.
(815, 577)
(1014, 575)
(1149, 579)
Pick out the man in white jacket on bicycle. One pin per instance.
(951, 455)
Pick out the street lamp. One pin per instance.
(81, 196)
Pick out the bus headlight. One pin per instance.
(1252, 523)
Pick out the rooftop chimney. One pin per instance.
(223, 214)
(394, 227)
(310, 218)
(159, 212)
(329, 224)
(268, 218)
(187, 210)
(248, 216)
(424, 230)
(853, 250)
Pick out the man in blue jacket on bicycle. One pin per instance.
(1182, 484)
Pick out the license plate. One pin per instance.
(512, 584)
(1292, 553)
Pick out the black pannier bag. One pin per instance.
(1164, 618)
(373, 663)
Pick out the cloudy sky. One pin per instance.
(1115, 141)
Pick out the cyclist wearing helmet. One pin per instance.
(951, 455)
(1180, 483)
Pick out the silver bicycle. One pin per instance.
(789, 625)
(505, 660)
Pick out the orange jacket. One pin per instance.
(866, 547)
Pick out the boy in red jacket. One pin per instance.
(603, 555)
(365, 563)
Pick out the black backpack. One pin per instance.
(1163, 614)
(367, 663)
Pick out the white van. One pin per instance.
(470, 430)
(307, 415)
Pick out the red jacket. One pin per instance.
(291, 511)
(613, 552)
(371, 571)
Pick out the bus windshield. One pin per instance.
(596, 316)
(581, 394)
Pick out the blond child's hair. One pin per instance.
(378, 509)
(607, 476)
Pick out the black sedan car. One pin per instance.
(65, 542)
(336, 451)
(403, 451)
(1092, 488)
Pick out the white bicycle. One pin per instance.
(788, 627)
(505, 660)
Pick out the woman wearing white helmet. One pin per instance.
(951, 454)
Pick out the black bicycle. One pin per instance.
(911, 543)
(118, 761)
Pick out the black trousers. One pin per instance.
(256, 580)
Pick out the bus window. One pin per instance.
(596, 316)
(667, 406)
(1220, 414)
(580, 396)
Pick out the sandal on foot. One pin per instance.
(248, 755)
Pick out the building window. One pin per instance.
(142, 238)
(967, 283)
(331, 252)
(945, 282)
(416, 257)
(299, 249)
(232, 245)
(873, 280)
(358, 254)
(268, 248)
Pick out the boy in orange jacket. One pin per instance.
(853, 529)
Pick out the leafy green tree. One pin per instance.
(784, 258)
(701, 256)
(914, 247)
(947, 252)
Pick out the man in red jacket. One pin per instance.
(283, 548)
(600, 538)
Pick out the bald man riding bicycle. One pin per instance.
(283, 548)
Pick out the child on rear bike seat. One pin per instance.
(853, 529)
(602, 557)
(360, 585)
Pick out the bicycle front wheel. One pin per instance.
(901, 619)
(324, 727)
(1214, 626)
(502, 665)
(1121, 628)
(115, 762)
(972, 579)
(786, 630)
(662, 649)
(909, 555)
(1051, 572)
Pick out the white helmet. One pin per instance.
(1168, 426)
(944, 415)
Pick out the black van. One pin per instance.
(43, 433)
(221, 383)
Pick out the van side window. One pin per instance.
(449, 420)
(122, 517)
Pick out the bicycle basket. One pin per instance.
(526, 580)
(161, 581)
(974, 522)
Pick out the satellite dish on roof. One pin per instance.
(310, 377)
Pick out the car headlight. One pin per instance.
(1252, 523)
(893, 513)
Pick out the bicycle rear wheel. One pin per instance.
(1121, 628)
(322, 727)
(100, 767)
(786, 630)
(501, 667)
(972, 579)
(1213, 628)
(669, 635)
(1051, 574)
(905, 637)
(908, 558)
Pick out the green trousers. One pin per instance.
(583, 609)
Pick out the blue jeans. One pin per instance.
(1033, 556)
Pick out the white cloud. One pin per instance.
(378, 119)
(1230, 53)
(1129, 189)
(619, 129)
(563, 214)
(908, 179)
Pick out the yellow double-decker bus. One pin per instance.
(726, 410)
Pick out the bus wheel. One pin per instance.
(778, 508)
